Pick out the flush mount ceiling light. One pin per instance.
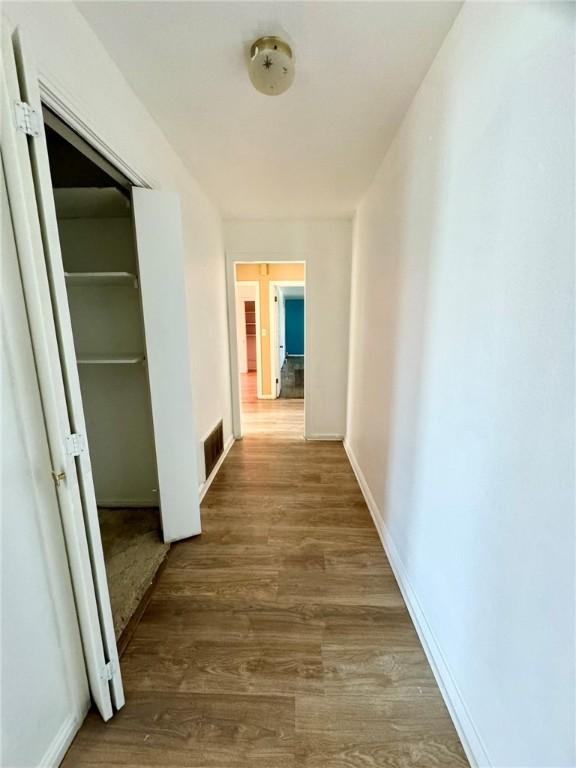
(271, 65)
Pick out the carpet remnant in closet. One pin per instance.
(133, 551)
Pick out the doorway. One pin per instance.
(270, 338)
(94, 218)
(288, 339)
(248, 339)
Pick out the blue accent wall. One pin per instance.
(294, 313)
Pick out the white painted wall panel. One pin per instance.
(325, 246)
(461, 399)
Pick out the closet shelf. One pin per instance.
(110, 359)
(101, 278)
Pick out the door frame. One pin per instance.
(274, 371)
(72, 115)
(241, 257)
(253, 284)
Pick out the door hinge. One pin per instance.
(276, 381)
(75, 444)
(27, 119)
(275, 298)
(108, 671)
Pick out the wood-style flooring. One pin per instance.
(277, 419)
(278, 638)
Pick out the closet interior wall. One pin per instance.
(98, 252)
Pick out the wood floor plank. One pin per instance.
(249, 666)
(364, 671)
(373, 717)
(192, 730)
(216, 583)
(278, 638)
(370, 590)
(332, 752)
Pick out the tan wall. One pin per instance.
(263, 273)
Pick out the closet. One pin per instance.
(103, 269)
(95, 228)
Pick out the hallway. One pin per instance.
(279, 637)
(197, 577)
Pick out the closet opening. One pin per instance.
(95, 226)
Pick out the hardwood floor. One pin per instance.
(279, 419)
(278, 638)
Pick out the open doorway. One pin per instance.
(288, 339)
(96, 233)
(271, 330)
(249, 353)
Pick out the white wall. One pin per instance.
(116, 398)
(44, 688)
(325, 246)
(461, 394)
(72, 59)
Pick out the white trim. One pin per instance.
(203, 488)
(241, 257)
(258, 342)
(252, 284)
(471, 741)
(243, 364)
(336, 438)
(65, 736)
(70, 113)
(235, 403)
(272, 284)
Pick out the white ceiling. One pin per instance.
(310, 152)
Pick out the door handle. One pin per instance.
(59, 477)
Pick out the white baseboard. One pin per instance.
(56, 751)
(338, 438)
(208, 482)
(471, 741)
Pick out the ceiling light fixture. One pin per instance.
(271, 65)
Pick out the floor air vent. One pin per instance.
(213, 448)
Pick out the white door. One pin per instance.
(43, 673)
(162, 271)
(31, 199)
